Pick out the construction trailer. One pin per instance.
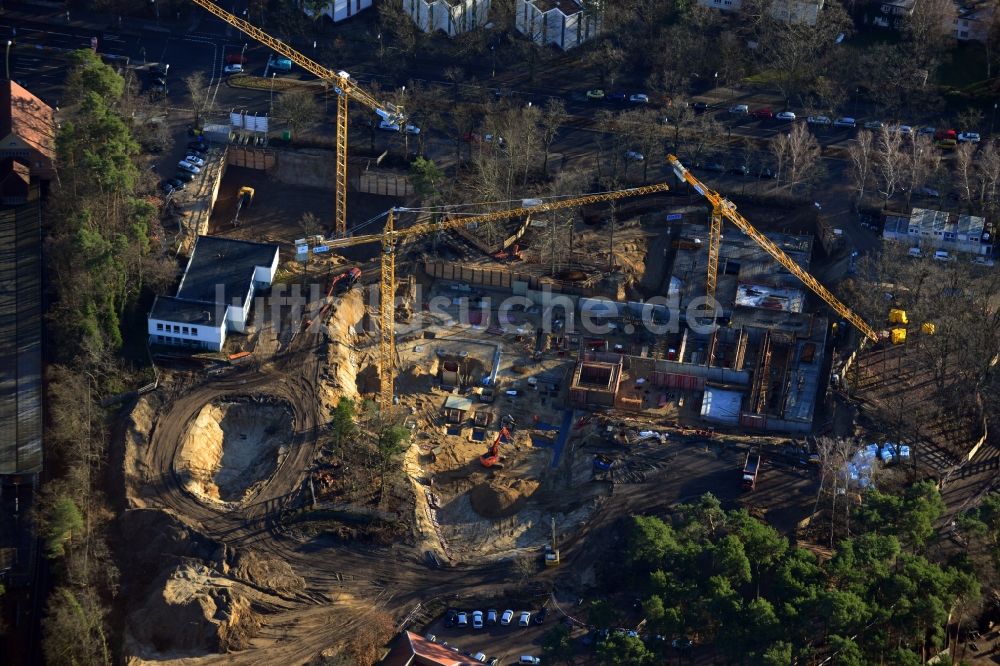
(751, 468)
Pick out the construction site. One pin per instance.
(542, 399)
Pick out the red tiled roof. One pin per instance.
(28, 117)
(424, 653)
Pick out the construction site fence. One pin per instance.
(530, 286)
(382, 183)
(765, 422)
(676, 375)
(260, 159)
(488, 277)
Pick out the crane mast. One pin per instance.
(343, 86)
(724, 208)
(391, 236)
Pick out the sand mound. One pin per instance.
(195, 611)
(274, 575)
(499, 498)
(233, 446)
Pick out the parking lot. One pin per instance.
(503, 643)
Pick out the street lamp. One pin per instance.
(9, 44)
(243, 53)
(493, 53)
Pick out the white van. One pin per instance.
(528, 660)
(941, 255)
(915, 252)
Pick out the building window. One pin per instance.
(159, 327)
(177, 329)
(963, 34)
(184, 330)
(159, 338)
(194, 331)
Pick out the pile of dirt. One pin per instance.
(138, 428)
(194, 611)
(345, 331)
(233, 446)
(270, 574)
(499, 497)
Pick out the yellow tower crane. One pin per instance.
(343, 86)
(391, 237)
(724, 208)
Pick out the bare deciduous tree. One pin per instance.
(922, 160)
(988, 175)
(964, 171)
(891, 161)
(798, 155)
(862, 153)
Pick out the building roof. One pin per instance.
(459, 402)
(221, 269)
(28, 117)
(721, 405)
(412, 650)
(185, 311)
(567, 7)
(929, 222)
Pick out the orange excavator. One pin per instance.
(492, 457)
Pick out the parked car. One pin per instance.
(634, 156)
(450, 618)
(184, 176)
(528, 660)
(525, 619)
(639, 98)
(199, 144)
(929, 192)
(430, 637)
(874, 124)
(281, 63)
(818, 120)
(195, 160)
(845, 121)
(177, 183)
(681, 643)
(493, 662)
(507, 616)
(233, 69)
(472, 137)
(616, 97)
(927, 130)
(488, 138)
(477, 619)
(463, 619)
(596, 93)
(970, 137)
(699, 107)
(905, 130)
(491, 617)
(480, 656)
(740, 170)
(767, 172)
(764, 113)
(184, 165)
(785, 115)
(540, 616)
(167, 186)
(740, 109)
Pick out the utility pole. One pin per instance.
(611, 238)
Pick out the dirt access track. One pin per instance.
(211, 574)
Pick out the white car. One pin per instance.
(874, 124)
(818, 120)
(639, 98)
(477, 619)
(480, 656)
(845, 121)
(930, 131)
(785, 115)
(187, 166)
(970, 137)
(393, 127)
(525, 619)
(488, 138)
(195, 160)
(634, 156)
(905, 130)
(463, 620)
(740, 108)
(235, 68)
(507, 616)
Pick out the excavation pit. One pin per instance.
(233, 446)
